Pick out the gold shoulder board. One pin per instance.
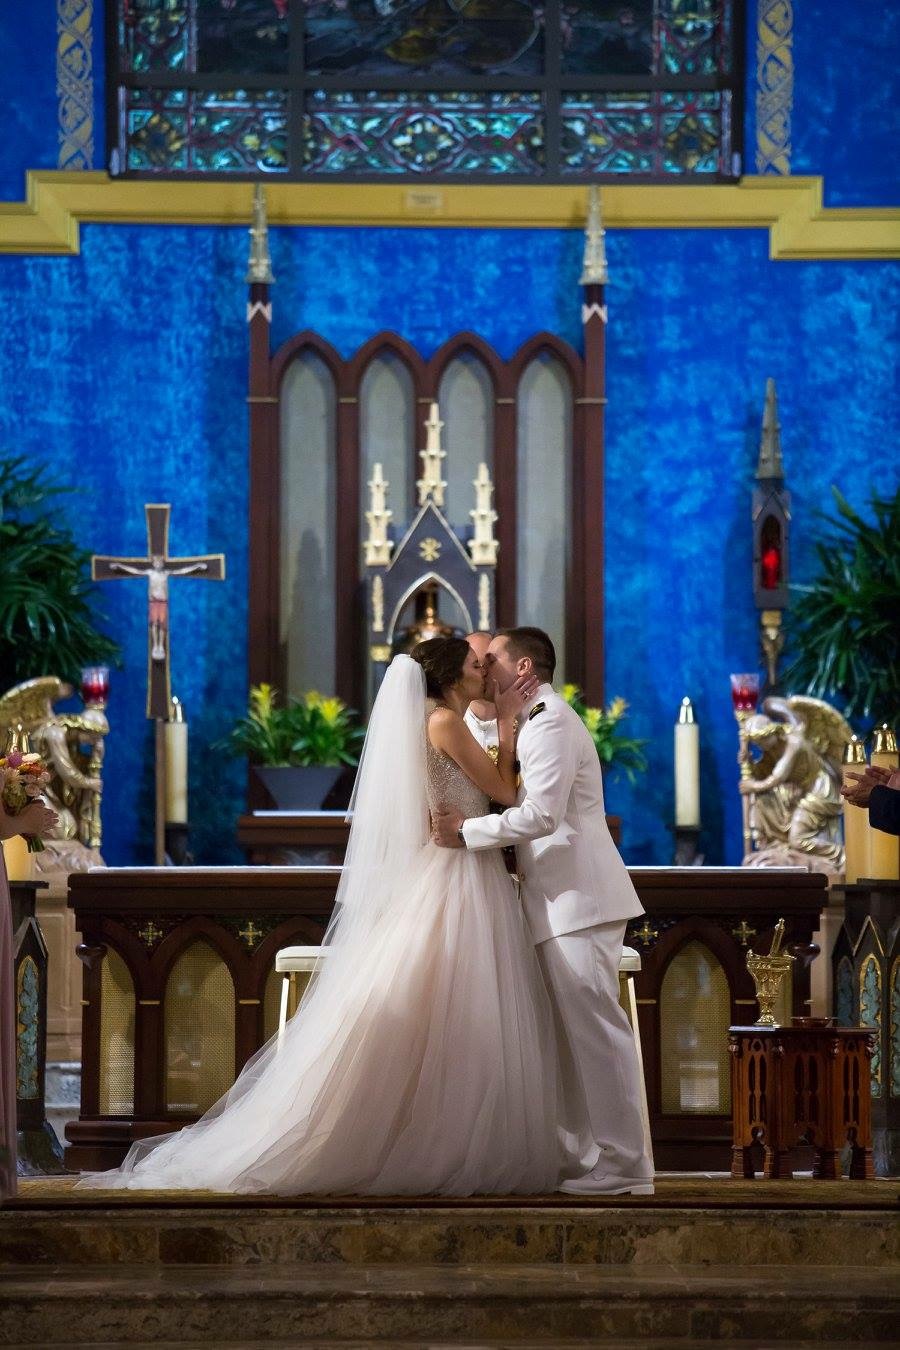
(538, 708)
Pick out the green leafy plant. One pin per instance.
(845, 627)
(617, 751)
(310, 730)
(47, 611)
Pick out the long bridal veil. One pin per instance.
(389, 808)
(280, 1105)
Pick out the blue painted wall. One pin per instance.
(124, 370)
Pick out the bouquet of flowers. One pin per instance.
(22, 777)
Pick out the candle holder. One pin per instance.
(94, 687)
(744, 698)
(768, 973)
(177, 837)
(687, 840)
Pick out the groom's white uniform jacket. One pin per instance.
(572, 874)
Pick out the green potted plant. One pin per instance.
(844, 628)
(615, 750)
(47, 616)
(300, 748)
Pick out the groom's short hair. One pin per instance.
(534, 643)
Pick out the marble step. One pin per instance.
(148, 1236)
(568, 1343)
(448, 1305)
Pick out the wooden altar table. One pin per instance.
(180, 989)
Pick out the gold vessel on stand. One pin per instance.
(768, 975)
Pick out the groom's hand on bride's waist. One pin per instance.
(445, 828)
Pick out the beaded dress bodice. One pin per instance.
(448, 786)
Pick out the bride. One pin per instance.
(422, 1059)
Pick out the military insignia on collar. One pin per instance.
(538, 708)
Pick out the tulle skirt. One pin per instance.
(423, 1060)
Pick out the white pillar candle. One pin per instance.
(19, 862)
(856, 818)
(687, 767)
(176, 765)
(884, 849)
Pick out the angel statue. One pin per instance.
(794, 786)
(72, 746)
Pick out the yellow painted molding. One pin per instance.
(791, 209)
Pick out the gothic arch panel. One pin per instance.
(199, 1030)
(694, 1016)
(388, 428)
(544, 505)
(459, 615)
(308, 496)
(466, 403)
(117, 1028)
(871, 1013)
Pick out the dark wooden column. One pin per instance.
(589, 462)
(505, 498)
(263, 561)
(588, 472)
(350, 669)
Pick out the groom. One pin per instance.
(577, 896)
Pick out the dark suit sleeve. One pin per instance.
(884, 809)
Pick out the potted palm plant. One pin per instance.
(47, 614)
(299, 748)
(844, 628)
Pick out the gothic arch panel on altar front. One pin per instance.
(694, 1016)
(199, 1012)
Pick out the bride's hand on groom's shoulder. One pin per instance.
(511, 701)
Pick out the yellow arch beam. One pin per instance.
(791, 209)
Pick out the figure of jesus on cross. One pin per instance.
(157, 567)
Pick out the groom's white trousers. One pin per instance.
(582, 973)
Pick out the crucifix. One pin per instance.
(158, 567)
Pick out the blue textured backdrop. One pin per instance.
(124, 369)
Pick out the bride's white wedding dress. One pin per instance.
(423, 1058)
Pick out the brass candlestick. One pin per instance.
(768, 973)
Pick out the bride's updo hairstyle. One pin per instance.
(442, 660)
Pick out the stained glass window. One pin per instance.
(440, 89)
